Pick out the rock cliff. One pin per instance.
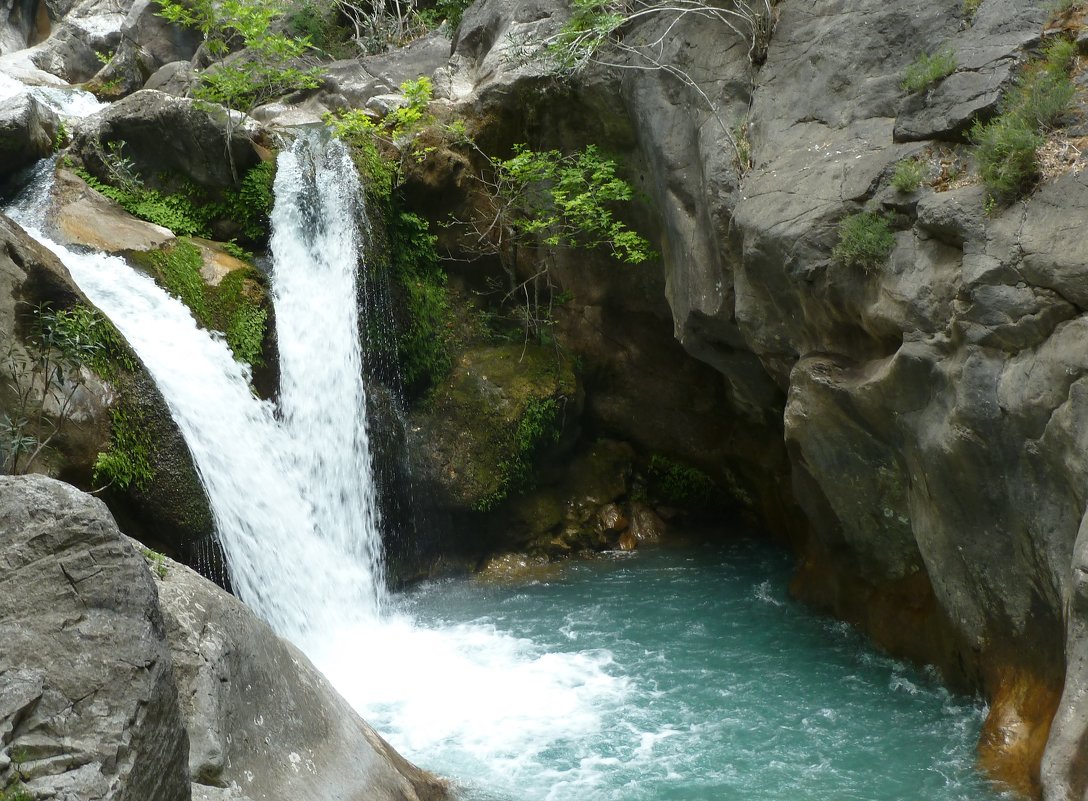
(926, 419)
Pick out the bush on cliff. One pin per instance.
(865, 240)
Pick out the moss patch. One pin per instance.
(492, 420)
(127, 462)
(237, 306)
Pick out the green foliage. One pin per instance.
(928, 69)
(909, 174)
(422, 348)
(15, 792)
(128, 460)
(1005, 150)
(320, 24)
(676, 484)
(865, 240)
(449, 11)
(193, 210)
(565, 201)
(175, 212)
(1006, 146)
(62, 135)
(269, 65)
(235, 307)
(251, 205)
(178, 270)
(85, 335)
(157, 561)
(379, 147)
(971, 7)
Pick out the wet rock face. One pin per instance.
(88, 708)
(27, 129)
(171, 510)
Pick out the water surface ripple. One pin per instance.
(679, 674)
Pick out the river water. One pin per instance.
(683, 674)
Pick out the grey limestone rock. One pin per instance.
(264, 724)
(163, 134)
(88, 706)
(27, 129)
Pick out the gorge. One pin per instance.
(909, 429)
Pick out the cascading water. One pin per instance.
(602, 683)
(292, 497)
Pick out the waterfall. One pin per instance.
(291, 492)
(316, 250)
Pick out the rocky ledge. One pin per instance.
(126, 676)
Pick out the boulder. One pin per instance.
(175, 78)
(171, 509)
(264, 724)
(167, 140)
(27, 132)
(82, 216)
(88, 705)
(23, 23)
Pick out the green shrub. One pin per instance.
(928, 69)
(865, 240)
(449, 11)
(1005, 149)
(1040, 98)
(970, 7)
(909, 174)
(378, 148)
(321, 25)
(193, 210)
(1006, 146)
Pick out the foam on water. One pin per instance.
(70, 103)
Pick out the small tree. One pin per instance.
(270, 63)
(540, 201)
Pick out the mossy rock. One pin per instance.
(503, 410)
(224, 293)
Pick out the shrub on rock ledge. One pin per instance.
(865, 240)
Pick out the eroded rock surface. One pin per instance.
(925, 417)
(88, 706)
(264, 724)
